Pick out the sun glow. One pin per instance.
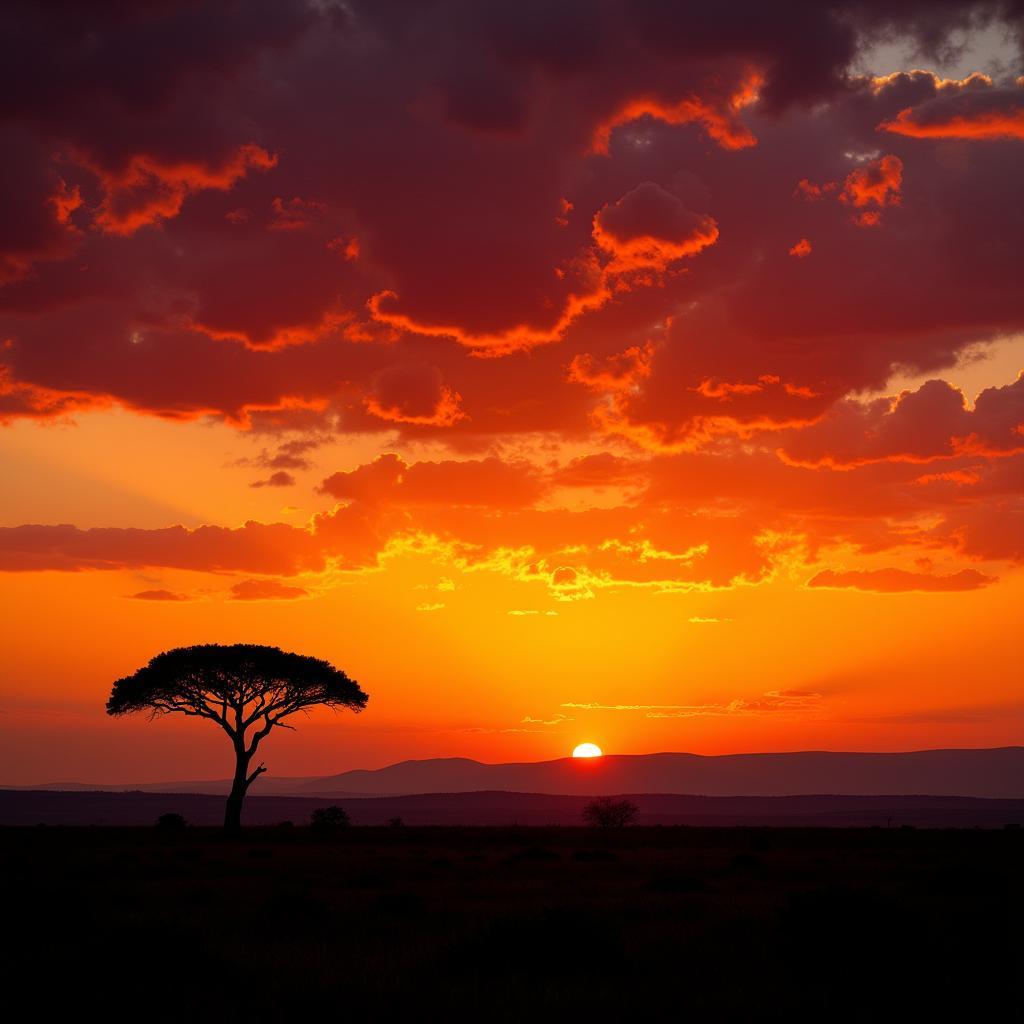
(587, 750)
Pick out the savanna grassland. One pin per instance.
(514, 924)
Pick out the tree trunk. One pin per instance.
(239, 786)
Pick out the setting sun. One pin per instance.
(587, 750)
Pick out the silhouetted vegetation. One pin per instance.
(245, 689)
(604, 812)
(329, 819)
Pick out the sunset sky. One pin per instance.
(640, 373)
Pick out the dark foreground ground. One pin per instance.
(502, 924)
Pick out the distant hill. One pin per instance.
(994, 773)
(983, 773)
(37, 807)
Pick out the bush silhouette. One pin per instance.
(329, 819)
(604, 812)
(171, 822)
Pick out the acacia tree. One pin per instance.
(246, 689)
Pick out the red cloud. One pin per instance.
(149, 189)
(414, 394)
(897, 581)
(649, 227)
(918, 426)
(255, 547)
(621, 371)
(486, 482)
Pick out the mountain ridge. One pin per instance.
(995, 772)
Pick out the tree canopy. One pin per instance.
(236, 686)
(246, 689)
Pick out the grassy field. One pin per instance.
(515, 924)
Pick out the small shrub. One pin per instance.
(329, 819)
(171, 822)
(604, 812)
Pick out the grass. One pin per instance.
(502, 924)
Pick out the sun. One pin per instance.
(587, 750)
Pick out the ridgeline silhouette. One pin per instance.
(246, 689)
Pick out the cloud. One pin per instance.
(414, 394)
(389, 479)
(601, 202)
(972, 109)
(281, 478)
(555, 720)
(717, 117)
(869, 188)
(771, 702)
(897, 581)
(149, 189)
(650, 228)
(174, 200)
(266, 590)
(920, 426)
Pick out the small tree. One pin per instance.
(171, 822)
(246, 689)
(604, 812)
(329, 819)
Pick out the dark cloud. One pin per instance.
(282, 478)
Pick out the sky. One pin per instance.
(642, 373)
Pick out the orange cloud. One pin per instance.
(495, 343)
(896, 581)
(150, 189)
(719, 119)
(19, 400)
(266, 590)
(969, 109)
(621, 371)
(878, 184)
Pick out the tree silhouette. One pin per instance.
(246, 689)
(604, 812)
(329, 819)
